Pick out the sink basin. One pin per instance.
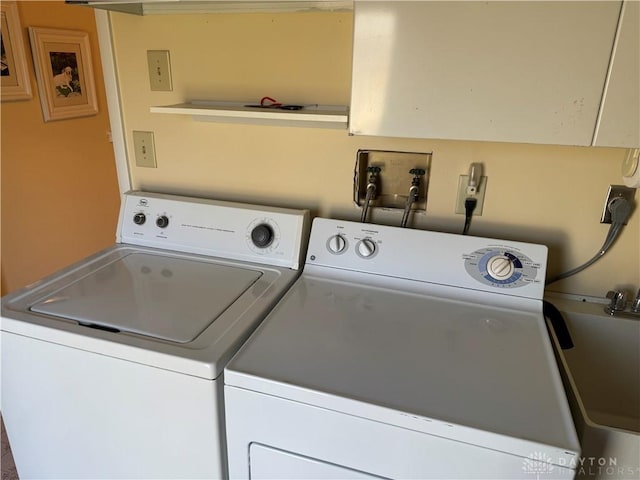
(601, 374)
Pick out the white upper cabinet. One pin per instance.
(524, 71)
(619, 122)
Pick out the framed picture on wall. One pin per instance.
(16, 84)
(62, 60)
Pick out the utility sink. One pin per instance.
(601, 374)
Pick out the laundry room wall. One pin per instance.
(545, 194)
(60, 194)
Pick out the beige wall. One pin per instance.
(59, 191)
(545, 194)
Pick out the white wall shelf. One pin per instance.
(169, 7)
(317, 116)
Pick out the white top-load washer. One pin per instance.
(402, 354)
(112, 367)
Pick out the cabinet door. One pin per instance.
(619, 123)
(504, 71)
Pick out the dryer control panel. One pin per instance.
(477, 263)
(237, 231)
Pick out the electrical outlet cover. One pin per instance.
(462, 195)
(616, 191)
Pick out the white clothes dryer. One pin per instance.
(112, 367)
(403, 354)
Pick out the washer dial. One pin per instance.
(263, 235)
(139, 218)
(162, 221)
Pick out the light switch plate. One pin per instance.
(159, 70)
(145, 151)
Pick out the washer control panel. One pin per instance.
(238, 231)
(501, 267)
(476, 263)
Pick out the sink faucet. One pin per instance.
(618, 304)
(635, 305)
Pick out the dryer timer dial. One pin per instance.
(501, 267)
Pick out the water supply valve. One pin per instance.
(414, 194)
(373, 179)
(392, 185)
(417, 173)
(372, 187)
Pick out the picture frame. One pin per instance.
(64, 72)
(15, 83)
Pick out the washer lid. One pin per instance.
(159, 296)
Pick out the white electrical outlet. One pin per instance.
(144, 149)
(616, 191)
(159, 70)
(463, 182)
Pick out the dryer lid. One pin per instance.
(160, 296)
(425, 358)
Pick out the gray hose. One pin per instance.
(620, 210)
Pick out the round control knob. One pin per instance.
(162, 221)
(336, 244)
(139, 218)
(500, 267)
(366, 247)
(262, 235)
